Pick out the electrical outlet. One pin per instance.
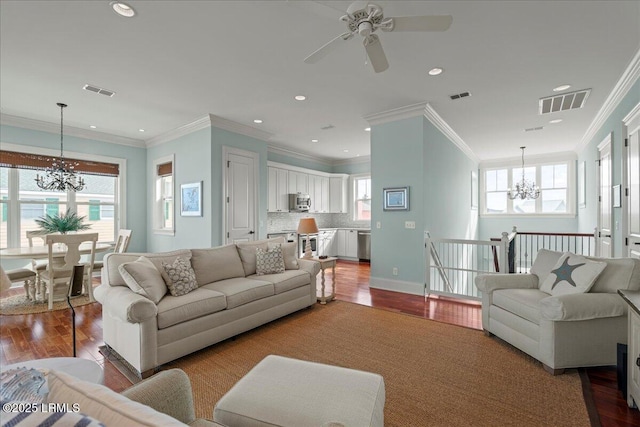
(394, 271)
(410, 224)
(378, 224)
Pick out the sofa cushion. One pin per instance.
(545, 262)
(241, 291)
(572, 274)
(290, 255)
(286, 281)
(269, 261)
(169, 257)
(247, 252)
(143, 278)
(101, 403)
(620, 273)
(173, 310)
(216, 264)
(181, 275)
(524, 303)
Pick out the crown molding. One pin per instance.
(620, 90)
(400, 113)
(39, 125)
(448, 131)
(236, 127)
(275, 149)
(201, 123)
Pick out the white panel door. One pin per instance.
(632, 123)
(241, 195)
(604, 198)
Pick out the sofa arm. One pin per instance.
(574, 307)
(311, 267)
(124, 304)
(168, 392)
(487, 283)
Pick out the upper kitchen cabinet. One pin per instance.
(298, 182)
(278, 190)
(338, 194)
(319, 192)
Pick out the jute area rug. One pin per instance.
(19, 304)
(435, 374)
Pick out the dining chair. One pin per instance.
(59, 270)
(37, 265)
(20, 275)
(122, 243)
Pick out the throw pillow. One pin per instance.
(143, 278)
(572, 274)
(269, 261)
(247, 252)
(289, 253)
(181, 275)
(49, 419)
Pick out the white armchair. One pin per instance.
(562, 331)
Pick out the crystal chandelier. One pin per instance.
(524, 189)
(60, 176)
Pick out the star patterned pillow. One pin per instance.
(572, 274)
(181, 275)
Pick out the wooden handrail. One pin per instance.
(538, 233)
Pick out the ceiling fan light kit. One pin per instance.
(365, 18)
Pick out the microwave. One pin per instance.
(299, 202)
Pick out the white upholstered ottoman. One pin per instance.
(285, 392)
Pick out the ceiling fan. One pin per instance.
(365, 18)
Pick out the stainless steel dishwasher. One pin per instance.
(364, 245)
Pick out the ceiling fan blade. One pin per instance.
(422, 23)
(375, 53)
(328, 47)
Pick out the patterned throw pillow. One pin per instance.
(181, 275)
(269, 261)
(572, 274)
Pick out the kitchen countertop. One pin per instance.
(322, 229)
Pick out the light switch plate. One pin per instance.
(409, 224)
(378, 224)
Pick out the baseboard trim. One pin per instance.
(412, 288)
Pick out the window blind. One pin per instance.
(13, 159)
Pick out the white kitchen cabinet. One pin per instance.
(346, 243)
(338, 194)
(298, 182)
(326, 242)
(278, 190)
(319, 192)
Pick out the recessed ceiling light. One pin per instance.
(299, 97)
(367, 129)
(257, 121)
(561, 88)
(314, 140)
(435, 71)
(555, 121)
(140, 130)
(122, 9)
(345, 150)
(92, 127)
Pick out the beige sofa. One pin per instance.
(147, 326)
(563, 331)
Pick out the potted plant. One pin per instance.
(62, 223)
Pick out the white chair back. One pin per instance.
(122, 243)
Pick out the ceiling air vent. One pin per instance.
(327, 127)
(567, 101)
(460, 95)
(99, 90)
(534, 129)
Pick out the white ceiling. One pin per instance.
(177, 61)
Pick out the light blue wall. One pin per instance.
(353, 168)
(493, 227)
(588, 217)
(296, 161)
(136, 211)
(412, 152)
(191, 164)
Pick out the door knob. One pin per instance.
(638, 362)
(252, 232)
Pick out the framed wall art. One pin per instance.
(395, 199)
(191, 199)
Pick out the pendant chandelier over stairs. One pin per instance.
(524, 189)
(60, 176)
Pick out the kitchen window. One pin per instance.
(555, 180)
(163, 212)
(361, 198)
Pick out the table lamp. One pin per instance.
(307, 226)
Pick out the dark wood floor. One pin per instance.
(26, 337)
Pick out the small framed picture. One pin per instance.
(395, 199)
(617, 196)
(191, 199)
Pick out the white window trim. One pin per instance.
(352, 197)
(157, 202)
(546, 160)
(120, 213)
